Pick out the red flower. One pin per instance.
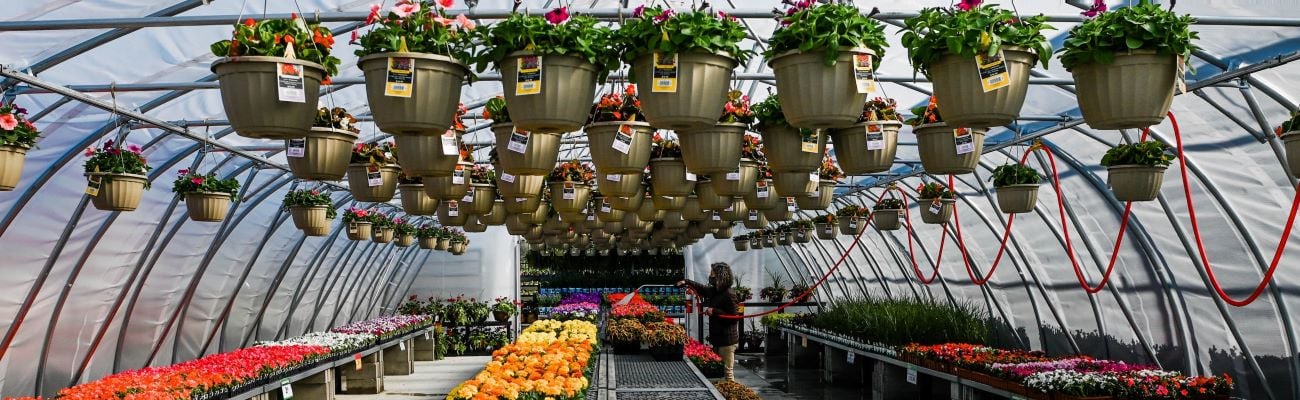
(198, 180)
(250, 23)
(967, 5)
(558, 16)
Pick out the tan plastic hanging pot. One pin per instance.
(443, 244)
(207, 206)
(606, 212)
(518, 224)
(452, 213)
(382, 235)
(815, 95)
(497, 216)
(458, 249)
(359, 183)
(474, 224)
(522, 205)
(554, 226)
(428, 243)
(691, 210)
(118, 192)
(619, 147)
(825, 231)
(712, 150)
(647, 213)
(673, 221)
(415, 201)
(1017, 198)
(1135, 182)
(316, 231)
(780, 213)
(1135, 91)
(570, 197)
(619, 185)
(309, 217)
(11, 166)
(404, 240)
(739, 181)
(785, 238)
(763, 196)
(522, 152)
(926, 209)
(736, 212)
(819, 199)
(866, 148)
(452, 187)
(795, 183)
(709, 198)
(541, 214)
(756, 242)
(940, 155)
(358, 230)
(613, 228)
(703, 81)
(561, 97)
(959, 88)
(667, 203)
(250, 94)
(480, 198)
(754, 219)
(668, 177)
(721, 233)
(431, 97)
(511, 186)
(801, 235)
(787, 152)
(1291, 142)
(325, 154)
(427, 155)
(629, 204)
(887, 219)
(741, 243)
(851, 226)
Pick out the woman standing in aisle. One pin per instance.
(719, 301)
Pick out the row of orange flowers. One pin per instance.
(550, 360)
(196, 377)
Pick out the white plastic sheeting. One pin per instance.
(90, 292)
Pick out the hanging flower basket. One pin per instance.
(647, 213)
(673, 221)
(561, 104)
(1291, 142)
(619, 147)
(452, 213)
(851, 226)
(541, 214)
(522, 205)
(474, 224)
(780, 213)
(826, 231)
(382, 235)
(944, 214)
(887, 219)
(452, 187)
(434, 92)
(754, 220)
(720, 233)
(207, 206)
(709, 198)
(819, 199)
(620, 185)
(310, 217)
(628, 204)
(497, 216)
(668, 177)
(458, 248)
(869, 147)
(11, 166)
(316, 231)
(736, 212)
(1135, 182)
(514, 186)
(118, 192)
(786, 150)
(427, 155)
(379, 190)
(701, 85)
(325, 154)
(358, 230)
(405, 240)
(741, 243)
(518, 224)
(667, 203)
(815, 95)
(937, 144)
(250, 95)
(691, 211)
(428, 243)
(756, 241)
(739, 181)
(714, 149)
(1017, 198)
(415, 201)
(444, 243)
(606, 212)
(526, 153)
(794, 183)
(763, 197)
(613, 228)
(959, 87)
(479, 199)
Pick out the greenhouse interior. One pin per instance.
(571, 199)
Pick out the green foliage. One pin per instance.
(356, 215)
(378, 220)
(888, 204)
(900, 322)
(426, 30)
(663, 30)
(403, 227)
(880, 109)
(429, 231)
(771, 321)
(309, 198)
(850, 210)
(1014, 174)
(15, 129)
(336, 118)
(1149, 153)
(925, 114)
(111, 158)
(482, 174)
(577, 35)
(1290, 125)
(769, 114)
(495, 110)
(189, 182)
(937, 32)
(737, 110)
(824, 219)
(1144, 26)
(377, 154)
(271, 38)
(827, 28)
(934, 189)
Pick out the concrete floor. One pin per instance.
(431, 380)
(768, 376)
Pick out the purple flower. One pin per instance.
(1098, 7)
(967, 5)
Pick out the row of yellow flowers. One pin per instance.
(548, 361)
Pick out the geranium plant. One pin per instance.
(336, 118)
(612, 107)
(374, 153)
(934, 190)
(971, 29)
(751, 147)
(656, 29)
(925, 114)
(809, 26)
(379, 220)
(403, 227)
(112, 159)
(15, 129)
(1149, 153)
(1143, 26)
(1014, 174)
(353, 214)
(880, 109)
(417, 27)
(573, 171)
(190, 182)
(272, 38)
(556, 33)
(309, 198)
(829, 172)
(888, 204)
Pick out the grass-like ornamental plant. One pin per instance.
(556, 33)
(897, 322)
(888, 204)
(810, 26)
(1149, 153)
(417, 27)
(1014, 174)
(1144, 26)
(15, 129)
(190, 182)
(656, 29)
(970, 29)
(934, 189)
(272, 38)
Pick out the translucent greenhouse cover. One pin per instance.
(88, 293)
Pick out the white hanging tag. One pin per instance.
(623, 139)
(401, 346)
(297, 148)
(528, 78)
(815, 178)
(374, 177)
(453, 209)
(851, 356)
(911, 374)
(790, 204)
(691, 176)
(290, 85)
(753, 215)
(506, 177)
(569, 192)
(964, 139)
(762, 190)
(614, 177)
(734, 175)
(469, 198)
(286, 390)
(809, 143)
(875, 137)
(449, 145)
(936, 206)
(518, 141)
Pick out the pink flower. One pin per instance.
(558, 16)
(446, 3)
(198, 180)
(405, 10)
(8, 122)
(374, 14)
(183, 171)
(465, 22)
(354, 38)
(659, 19)
(443, 21)
(90, 152)
(967, 5)
(134, 148)
(1098, 7)
(638, 11)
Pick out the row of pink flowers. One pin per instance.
(385, 326)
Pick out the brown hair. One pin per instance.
(721, 278)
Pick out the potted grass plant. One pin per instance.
(668, 174)
(414, 200)
(482, 193)
(1136, 170)
(1289, 132)
(432, 155)
(310, 209)
(828, 175)
(936, 202)
(404, 231)
(523, 152)
(413, 58)
(382, 227)
(887, 214)
(1017, 187)
(682, 61)
(618, 136)
(943, 148)
(978, 57)
(549, 67)
(1126, 63)
(17, 136)
(763, 196)
(326, 150)
(850, 220)
(270, 73)
(869, 146)
(825, 226)
(570, 184)
(715, 149)
(824, 56)
(207, 197)
(357, 223)
(741, 179)
(372, 173)
(115, 176)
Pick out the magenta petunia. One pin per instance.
(558, 16)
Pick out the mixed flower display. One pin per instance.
(336, 342)
(197, 377)
(386, 327)
(575, 311)
(551, 359)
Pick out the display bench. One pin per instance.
(879, 368)
(359, 372)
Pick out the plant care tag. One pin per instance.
(401, 77)
(427, 335)
(762, 190)
(401, 346)
(352, 227)
(1181, 75)
(506, 177)
(690, 176)
(863, 75)
(665, 73)
(753, 215)
(469, 198)
(809, 141)
(789, 204)
(623, 139)
(297, 148)
(734, 175)
(458, 176)
(343, 382)
(964, 140)
(374, 177)
(449, 145)
(614, 177)
(851, 356)
(453, 208)
(286, 390)
(853, 223)
(804, 342)
(875, 137)
(569, 192)
(911, 374)
(604, 206)
(93, 183)
(520, 199)
(815, 178)
(356, 360)
(528, 78)
(716, 216)
(518, 141)
(289, 82)
(993, 71)
(591, 217)
(936, 206)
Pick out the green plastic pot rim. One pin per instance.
(266, 59)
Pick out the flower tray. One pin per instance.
(993, 381)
